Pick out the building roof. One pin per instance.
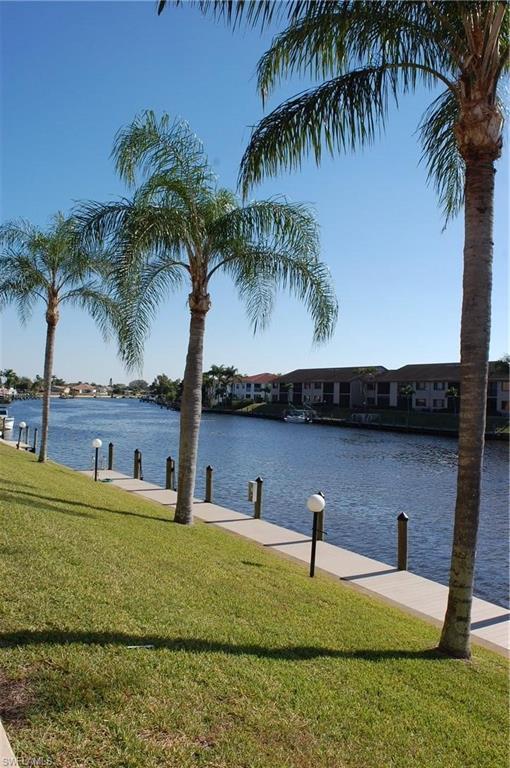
(301, 375)
(259, 378)
(435, 372)
(83, 387)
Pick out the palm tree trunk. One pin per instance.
(191, 412)
(51, 325)
(474, 355)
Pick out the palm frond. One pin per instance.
(342, 114)
(149, 146)
(274, 223)
(445, 166)
(258, 271)
(140, 292)
(259, 13)
(100, 303)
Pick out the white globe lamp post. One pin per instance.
(316, 504)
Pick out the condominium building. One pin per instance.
(421, 387)
(257, 387)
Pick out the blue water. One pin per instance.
(368, 478)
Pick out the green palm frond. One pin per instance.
(445, 166)
(151, 146)
(342, 114)
(140, 295)
(349, 36)
(100, 303)
(258, 272)
(274, 223)
(259, 13)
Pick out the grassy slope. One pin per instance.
(255, 664)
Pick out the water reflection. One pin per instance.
(368, 478)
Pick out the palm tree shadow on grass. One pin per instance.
(198, 645)
(38, 501)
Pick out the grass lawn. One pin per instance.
(254, 665)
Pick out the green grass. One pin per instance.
(255, 665)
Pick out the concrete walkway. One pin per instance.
(422, 597)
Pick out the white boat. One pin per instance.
(6, 421)
(298, 417)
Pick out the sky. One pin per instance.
(73, 73)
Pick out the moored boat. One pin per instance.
(298, 417)
(6, 421)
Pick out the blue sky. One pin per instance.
(73, 73)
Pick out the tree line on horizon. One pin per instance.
(118, 259)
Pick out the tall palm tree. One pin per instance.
(54, 268)
(179, 226)
(368, 54)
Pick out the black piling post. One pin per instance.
(110, 456)
(258, 501)
(402, 521)
(209, 484)
(136, 464)
(170, 474)
(34, 447)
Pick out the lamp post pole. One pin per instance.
(22, 426)
(316, 504)
(96, 444)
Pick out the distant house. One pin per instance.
(345, 387)
(82, 389)
(433, 384)
(257, 387)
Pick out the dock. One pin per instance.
(411, 593)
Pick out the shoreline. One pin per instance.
(332, 422)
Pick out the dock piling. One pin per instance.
(208, 484)
(110, 456)
(137, 464)
(257, 513)
(402, 521)
(34, 446)
(170, 474)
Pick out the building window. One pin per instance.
(317, 384)
(248, 387)
(420, 402)
(307, 385)
(370, 385)
(421, 385)
(438, 403)
(492, 389)
(505, 386)
(439, 386)
(504, 405)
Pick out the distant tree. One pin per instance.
(56, 382)
(503, 364)
(38, 384)
(52, 267)
(118, 389)
(24, 384)
(407, 391)
(138, 385)
(453, 392)
(10, 377)
(165, 388)
(366, 375)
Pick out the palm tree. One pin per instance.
(407, 391)
(180, 225)
(52, 267)
(369, 54)
(10, 377)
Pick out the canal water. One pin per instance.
(368, 478)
